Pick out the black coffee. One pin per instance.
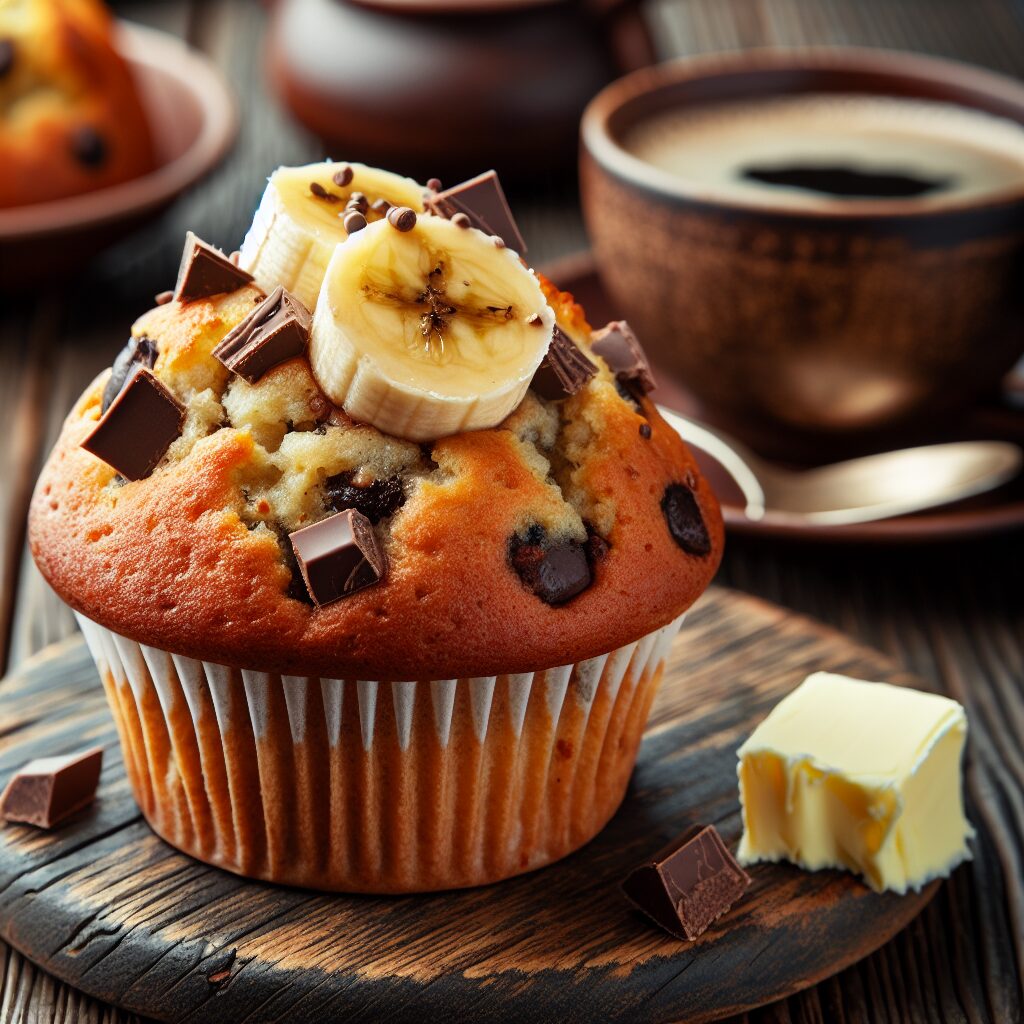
(845, 181)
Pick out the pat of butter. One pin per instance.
(864, 776)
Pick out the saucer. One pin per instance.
(193, 112)
(996, 511)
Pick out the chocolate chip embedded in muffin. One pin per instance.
(375, 500)
(138, 352)
(685, 522)
(554, 572)
(88, 146)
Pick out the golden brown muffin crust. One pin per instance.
(194, 559)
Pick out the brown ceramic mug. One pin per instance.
(789, 324)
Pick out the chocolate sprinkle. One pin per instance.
(402, 218)
(343, 177)
(88, 146)
(685, 522)
(338, 556)
(137, 352)
(376, 500)
(143, 421)
(275, 331)
(618, 346)
(206, 271)
(482, 200)
(564, 370)
(688, 885)
(49, 789)
(554, 572)
(6, 56)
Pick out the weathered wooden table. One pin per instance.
(954, 613)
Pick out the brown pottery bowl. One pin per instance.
(822, 323)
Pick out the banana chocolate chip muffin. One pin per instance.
(381, 592)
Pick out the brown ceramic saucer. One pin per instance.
(997, 511)
(195, 121)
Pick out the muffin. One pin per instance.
(71, 120)
(380, 592)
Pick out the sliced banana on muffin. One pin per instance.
(306, 211)
(428, 331)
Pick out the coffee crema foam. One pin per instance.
(814, 149)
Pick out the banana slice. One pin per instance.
(301, 219)
(428, 332)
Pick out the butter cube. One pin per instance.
(856, 775)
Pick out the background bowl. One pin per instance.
(797, 325)
(194, 121)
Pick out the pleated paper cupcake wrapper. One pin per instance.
(368, 786)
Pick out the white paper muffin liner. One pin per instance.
(373, 786)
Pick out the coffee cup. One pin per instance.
(818, 245)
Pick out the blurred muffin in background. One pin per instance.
(71, 120)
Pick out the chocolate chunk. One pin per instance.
(338, 556)
(376, 500)
(482, 200)
(206, 271)
(645, 431)
(133, 435)
(618, 346)
(564, 370)
(685, 522)
(343, 177)
(138, 352)
(49, 789)
(688, 885)
(275, 331)
(88, 146)
(554, 572)
(402, 218)
(6, 56)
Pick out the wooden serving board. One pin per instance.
(104, 904)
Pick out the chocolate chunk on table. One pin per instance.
(206, 271)
(689, 884)
(141, 423)
(339, 556)
(482, 200)
(564, 370)
(49, 789)
(620, 348)
(685, 520)
(138, 352)
(275, 331)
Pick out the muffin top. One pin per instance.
(70, 117)
(577, 523)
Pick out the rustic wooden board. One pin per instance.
(107, 906)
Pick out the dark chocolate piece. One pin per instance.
(556, 572)
(376, 500)
(275, 331)
(402, 218)
(49, 789)
(338, 556)
(343, 177)
(88, 146)
(162, 298)
(688, 885)
(685, 521)
(206, 271)
(143, 421)
(618, 346)
(321, 193)
(482, 200)
(6, 56)
(138, 352)
(564, 370)
(354, 221)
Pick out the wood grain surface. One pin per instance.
(953, 613)
(105, 904)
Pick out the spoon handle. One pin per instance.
(727, 453)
